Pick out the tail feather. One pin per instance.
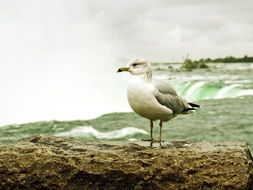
(190, 109)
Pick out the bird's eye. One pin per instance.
(135, 64)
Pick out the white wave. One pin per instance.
(237, 81)
(224, 92)
(89, 131)
(245, 92)
(192, 89)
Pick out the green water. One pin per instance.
(216, 121)
(225, 114)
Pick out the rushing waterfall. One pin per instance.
(201, 90)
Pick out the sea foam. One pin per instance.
(89, 131)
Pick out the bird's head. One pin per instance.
(139, 67)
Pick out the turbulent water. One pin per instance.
(221, 81)
(225, 92)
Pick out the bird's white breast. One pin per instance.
(141, 98)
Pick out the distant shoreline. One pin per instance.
(228, 59)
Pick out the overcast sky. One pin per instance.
(168, 29)
(155, 29)
(50, 50)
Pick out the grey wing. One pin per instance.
(164, 87)
(167, 96)
(177, 104)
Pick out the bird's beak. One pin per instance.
(122, 69)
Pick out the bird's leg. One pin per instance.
(151, 129)
(151, 134)
(160, 137)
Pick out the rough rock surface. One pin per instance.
(47, 162)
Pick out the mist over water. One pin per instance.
(55, 63)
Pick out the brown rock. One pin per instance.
(47, 162)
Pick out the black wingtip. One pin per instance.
(194, 105)
(188, 109)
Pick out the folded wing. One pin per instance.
(167, 96)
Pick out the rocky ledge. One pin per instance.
(48, 162)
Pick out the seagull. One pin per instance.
(153, 99)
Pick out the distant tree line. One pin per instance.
(229, 59)
(189, 64)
